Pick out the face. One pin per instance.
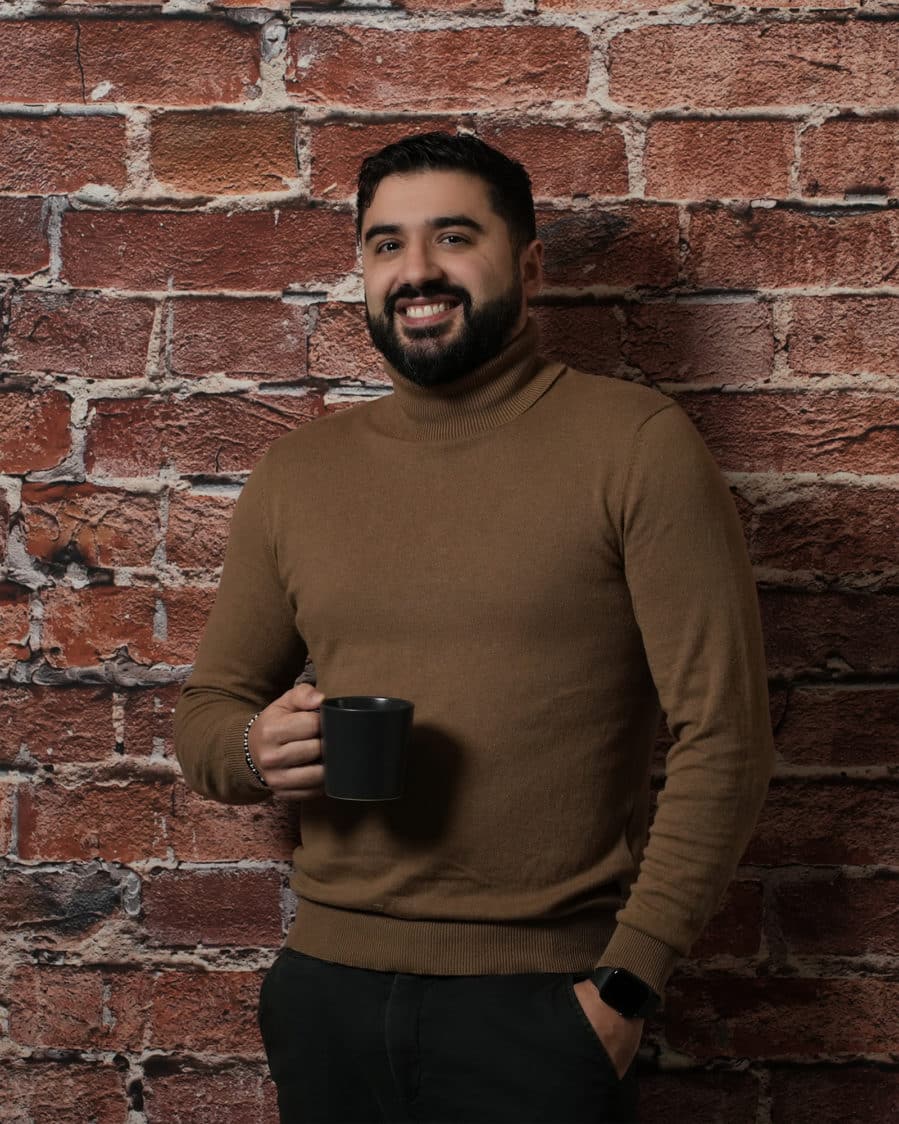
(445, 290)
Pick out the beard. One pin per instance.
(425, 359)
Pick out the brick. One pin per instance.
(830, 529)
(92, 526)
(57, 903)
(224, 153)
(798, 431)
(192, 250)
(415, 6)
(829, 631)
(78, 1008)
(586, 337)
(256, 338)
(39, 54)
(713, 1098)
(7, 799)
(24, 248)
(781, 1017)
(201, 1012)
(595, 162)
(765, 63)
(849, 725)
(631, 244)
(69, 333)
(341, 348)
(339, 147)
(5, 515)
(87, 626)
(67, 1093)
(721, 159)
(783, 246)
(826, 822)
(187, 610)
(838, 335)
(844, 156)
(213, 907)
(114, 822)
(205, 434)
(35, 434)
(462, 69)
(198, 530)
(847, 1095)
(203, 830)
(15, 618)
(840, 916)
(603, 5)
(149, 720)
(736, 927)
(168, 61)
(56, 725)
(687, 341)
(58, 155)
(224, 1096)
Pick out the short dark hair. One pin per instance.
(508, 184)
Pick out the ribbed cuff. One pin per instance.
(650, 959)
(243, 786)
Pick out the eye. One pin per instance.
(454, 239)
(386, 246)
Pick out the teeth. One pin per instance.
(419, 311)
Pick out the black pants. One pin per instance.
(354, 1046)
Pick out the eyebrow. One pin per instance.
(435, 224)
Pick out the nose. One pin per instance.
(418, 264)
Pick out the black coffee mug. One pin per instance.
(364, 741)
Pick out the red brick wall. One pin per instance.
(179, 287)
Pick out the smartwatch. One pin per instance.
(624, 992)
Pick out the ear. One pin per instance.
(530, 264)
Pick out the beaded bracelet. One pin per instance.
(246, 751)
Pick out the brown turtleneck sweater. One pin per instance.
(538, 558)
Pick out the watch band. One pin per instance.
(624, 992)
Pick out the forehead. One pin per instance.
(418, 196)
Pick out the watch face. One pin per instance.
(622, 991)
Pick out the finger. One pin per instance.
(292, 755)
(302, 697)
(293, 727)
(298, 780)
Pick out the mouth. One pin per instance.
(425, 313)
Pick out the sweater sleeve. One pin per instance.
(695, 603)
(250, 653)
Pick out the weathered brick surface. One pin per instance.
(381, 70)
(588, 337)
(71, 333)
(39, 56)
(713, 1098)
(15, 614)
(148, 715)
(55, 726)
(203, 831)
(170, 249)
(846, 1095)
(594, 163)
(224, 153)
(206, 1012)
(66, 1093)
(5, 515)
(7, 798)
(839, 916)
(51, 903)
(844, 335)
(260, 339)
(47, 155)
(846, 156)
(198, 530)
(697, 159)
(89, 525)
(762, 63)
(736, 927)
(840, 726)
(213, 907)
(832, 529)
(781, 1017)
(204, 434)
(36, 430)
(225, 1096)
(340, 348)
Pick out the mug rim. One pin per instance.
(351, 703)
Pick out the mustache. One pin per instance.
(432, 289)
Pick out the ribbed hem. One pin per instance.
(447, 948)
(647, 957)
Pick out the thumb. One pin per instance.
(302, 697)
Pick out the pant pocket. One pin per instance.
(585, 1026)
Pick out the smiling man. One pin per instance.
(544, 561)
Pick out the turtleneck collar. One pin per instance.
(485, 398)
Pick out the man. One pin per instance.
(541, 560)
